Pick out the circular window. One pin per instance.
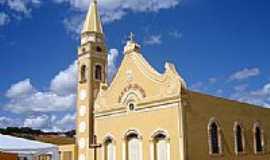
(82, 110)
(131, 107)
(82, 143)
(83, 95)
(82, 127)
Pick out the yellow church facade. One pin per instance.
(146, 115)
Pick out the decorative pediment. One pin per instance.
(137, 80)
(131, 91)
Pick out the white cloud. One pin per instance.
(152, 40)
(51, 122)
(24, 99)
(73, 25)
(22, 88)
(65, 82)
(219, 92)
(18, 6)
(207, 86)
(41, 102)
(66, 123)
(115, 9)
(111, 62)
(245, 74)
(239, 92)
(4, 19)
(176, 34)
(21, 6)
(241, 87)
(259, 97)
(8, 122)
(112, 10)
(197, 86)
(212, 80)
(17, 9)
(265, 91)
(37, 122)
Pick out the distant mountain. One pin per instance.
(29, 133)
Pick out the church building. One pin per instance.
(146, 115)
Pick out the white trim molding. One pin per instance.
(109, 137)
(83, 76)
(242, 129)
(257, 125)
(125, 143)
(102, 72)
(153, 143)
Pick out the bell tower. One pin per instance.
(92, 71)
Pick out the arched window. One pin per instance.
(134, 151)
(99, 49)
(214, 138)
(239, 139)
(258, 139)
(109, 149)
(98, 72)
(161, 147)
(83, 73)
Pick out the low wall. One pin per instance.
(67, 152)
(8, 156)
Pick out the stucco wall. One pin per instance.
(68, 152)
(201, 108)
(146, 122)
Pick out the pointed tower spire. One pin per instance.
(92, 22)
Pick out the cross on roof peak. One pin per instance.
(131, 37)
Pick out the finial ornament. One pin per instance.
(131, 37)
(131, 45)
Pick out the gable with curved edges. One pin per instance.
(138, 82)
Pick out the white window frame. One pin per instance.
(102, 72)
(153, 148)
(213, 120)
(125, 143)
(258, 125)
(112, 138)
(236, 124)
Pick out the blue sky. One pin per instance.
(219, 47)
